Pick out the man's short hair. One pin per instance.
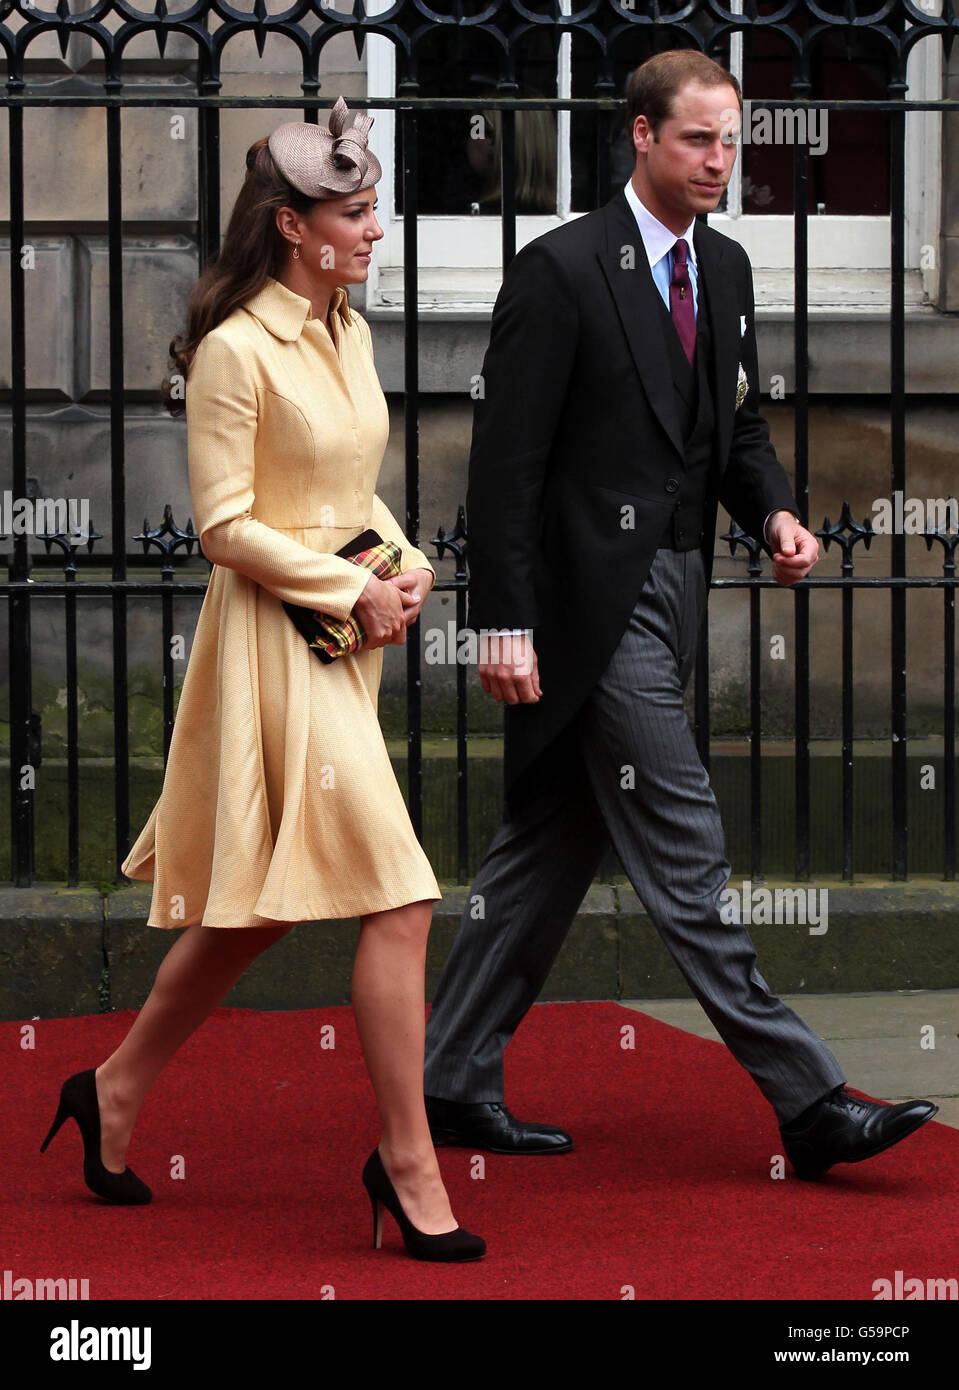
(653, 86)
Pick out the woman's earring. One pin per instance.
(296, 251)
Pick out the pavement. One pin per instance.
(894, 1046)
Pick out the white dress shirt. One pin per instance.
(658, 243)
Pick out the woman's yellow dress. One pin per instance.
(279, 802)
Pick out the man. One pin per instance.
(615, 418)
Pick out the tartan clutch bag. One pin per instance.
(330, 637)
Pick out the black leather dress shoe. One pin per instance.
(489, 1125)
(844, 1129)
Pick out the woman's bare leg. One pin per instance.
(199, 970)
(390, 1008)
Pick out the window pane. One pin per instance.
(852, 175)
(460, 151)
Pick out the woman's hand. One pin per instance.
(379, 612)
(413, 587)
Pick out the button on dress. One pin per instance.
(279, 802)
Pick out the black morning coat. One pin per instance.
(577, 422)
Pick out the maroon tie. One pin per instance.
(681, 300)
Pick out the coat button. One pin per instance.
(672, 485)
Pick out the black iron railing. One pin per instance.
(609, 31)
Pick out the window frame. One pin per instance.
(459, 267)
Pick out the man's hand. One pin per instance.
(795, 550)
(413, 586)
(512, 672)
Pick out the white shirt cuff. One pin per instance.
(773, 513)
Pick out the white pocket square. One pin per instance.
(742, 325)
(742, 386)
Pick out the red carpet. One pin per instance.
(668, 1190)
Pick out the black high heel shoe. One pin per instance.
(449, 1246)
(78, 1097)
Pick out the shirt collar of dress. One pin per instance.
(657, 238)
(284, 313)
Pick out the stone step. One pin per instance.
(71, 951)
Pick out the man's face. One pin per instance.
(688, 167)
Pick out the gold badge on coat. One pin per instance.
(742, 386)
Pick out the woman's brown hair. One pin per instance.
(253, 249)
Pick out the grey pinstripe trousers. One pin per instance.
(627, 772)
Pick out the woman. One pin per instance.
(279, 803)
(534, 159)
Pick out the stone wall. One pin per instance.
(949, 241)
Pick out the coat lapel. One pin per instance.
(626, 268)
(638, 301)
(724, 318)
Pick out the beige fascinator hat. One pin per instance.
(326, 163)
